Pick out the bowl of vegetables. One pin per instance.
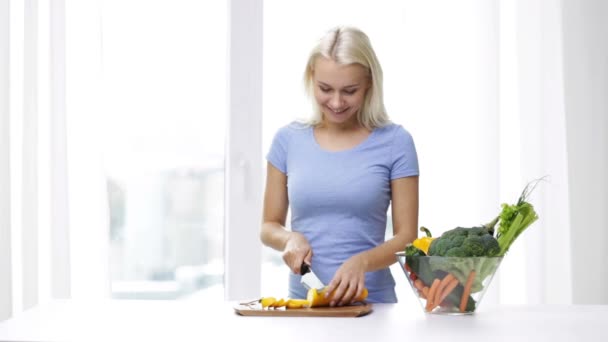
(450, 274)
(449, 285)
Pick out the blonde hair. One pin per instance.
(349, 45)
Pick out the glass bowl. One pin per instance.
(449, 285)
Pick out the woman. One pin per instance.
(338, 173)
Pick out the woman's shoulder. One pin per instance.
(293, 129)
(393, 130)
(297, 126)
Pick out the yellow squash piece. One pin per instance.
(279, 303)
(267, 301)
(296, 303)
(317, 298)
(273, 303)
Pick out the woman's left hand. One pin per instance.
(348, 282)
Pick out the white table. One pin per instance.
(125, 320)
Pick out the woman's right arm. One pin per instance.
(273, 234)
(276, 202)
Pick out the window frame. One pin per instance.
(243, 191)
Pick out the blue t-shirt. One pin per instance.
(339, 200)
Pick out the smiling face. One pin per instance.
(339, 90)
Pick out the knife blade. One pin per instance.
(309, 279)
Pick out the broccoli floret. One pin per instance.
(465, 242)
(460, 252)
(491, 245)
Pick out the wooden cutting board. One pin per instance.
(336, 311)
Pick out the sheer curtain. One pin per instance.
(533, 144)
(6, 302)
(554, 75)
(42, 174)
(585, 58)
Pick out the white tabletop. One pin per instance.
(125, 320)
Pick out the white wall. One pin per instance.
(586, 102)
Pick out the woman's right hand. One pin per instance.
(297, 251)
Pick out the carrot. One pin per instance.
(449, 288)
(444, 282)
(425, 292)
(429, 301)
(418, 284)
(467, 291)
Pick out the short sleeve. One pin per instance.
(277, 155)
(404, 159)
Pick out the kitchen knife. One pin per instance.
(309, 279)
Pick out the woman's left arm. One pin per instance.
(349, 280)
(404, 210)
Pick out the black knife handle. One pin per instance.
(304, 269)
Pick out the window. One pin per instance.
(165, 112)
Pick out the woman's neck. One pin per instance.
(345, 127)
